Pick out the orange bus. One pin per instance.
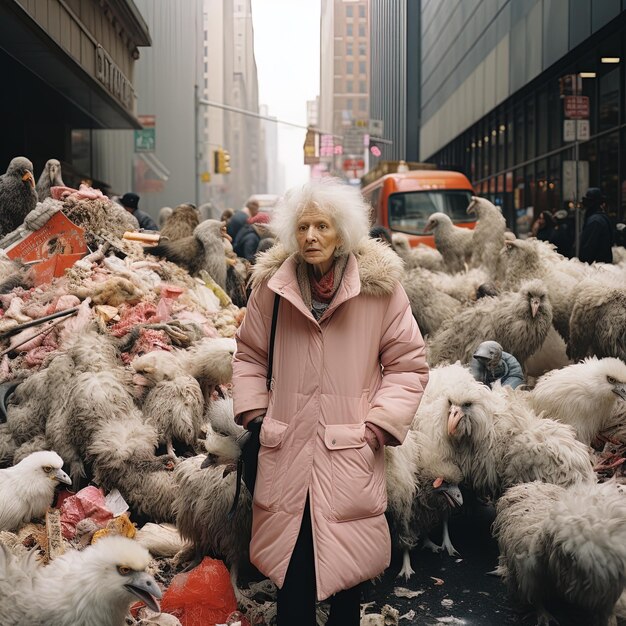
(403, 202)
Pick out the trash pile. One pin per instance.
(80, 303)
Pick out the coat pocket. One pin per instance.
(266, 490)
(357, 474)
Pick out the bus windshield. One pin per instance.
(409, 211)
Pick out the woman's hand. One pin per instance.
(372, 439)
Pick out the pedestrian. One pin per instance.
(248, 237)
(349, 371)
(130, 201)
(490, 364)
(543, 226)
(563, 233)
(596, 238)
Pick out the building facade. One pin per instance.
(345, 83)
(395, 36)
(68, 66)
(527, 98)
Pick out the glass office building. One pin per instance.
(528, 98)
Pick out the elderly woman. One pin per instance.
(349, 372)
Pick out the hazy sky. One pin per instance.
(287, 51)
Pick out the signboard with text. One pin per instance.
(576, 107)
(145, 138)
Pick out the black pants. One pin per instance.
(296, 600)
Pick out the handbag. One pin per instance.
(251, 445)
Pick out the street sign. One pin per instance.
(376, 128)
(327, 145)
(582, 130)
(353, 140)
(145, 139)
(576, 107)
(569, 179)
(569, 130)
(353, 164)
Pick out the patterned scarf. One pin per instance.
(317, 294)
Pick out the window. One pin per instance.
(349, 11)
(362, 50)
(349, 67)
(362, 86)
(361, 67)
(349, 86)
(362, 10)
(349, 50)
(349, 103)
(349, 30)
(363, 104)
(361, 30)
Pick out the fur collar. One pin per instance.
(380, 268)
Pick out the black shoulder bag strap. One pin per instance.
(251, 447)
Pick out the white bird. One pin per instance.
(454, 243)
(564, 545)
(583, 395)
(488, 235)
(27, 489)
(94, 587)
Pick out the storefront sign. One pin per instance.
(110, 75)
(353, 164)
(145, 138)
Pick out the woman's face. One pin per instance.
(317, 239)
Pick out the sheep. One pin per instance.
(27, 489)
(488, 235)
(454, 243)
(597, 325)
(564, 544)
(582, 395)
(519, 322)
(421, 488)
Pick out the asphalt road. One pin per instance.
(467, 596)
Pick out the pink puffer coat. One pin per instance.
(327, 383)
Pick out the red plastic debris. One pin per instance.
(202, 597)
(88, 502)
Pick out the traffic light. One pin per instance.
(221, 160)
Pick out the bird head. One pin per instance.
(54, 169)
(610, 375)
(23, 168)
(115, 567)
(435, 221)
(209, 230)
(489, 353)
(44, 466)
(480, 206)
(223, 450)
(157, 365)
(451, 492)
(535, 295)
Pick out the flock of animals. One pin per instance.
(161, 431)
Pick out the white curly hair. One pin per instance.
(341, 202)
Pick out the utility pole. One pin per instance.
(196, 143)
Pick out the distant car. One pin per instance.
(267, 201)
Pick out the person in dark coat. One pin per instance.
(596, 239)
(130, 201)
(247, 240)
(563, 233)
(235, 223)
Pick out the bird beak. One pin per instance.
(28, 176)
(209, 461)
(229, 469)
(454, 417)
(144, 587)
(620, 390)
(451, 493)
(62, 477)
(534, 306)
(471, 207)
(428, 227)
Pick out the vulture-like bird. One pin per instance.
(583, 395)
(566, 546)
(27, 489)
(95, 586)
(17, 194)
(203, 250)
(454, 243)
(181, 223)
(50, 177)
(519, 322)
(488, 235)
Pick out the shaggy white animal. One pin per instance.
(454, 243)
(583, 395)
(421, 490)
(488, 235)
(494, 438)
(420, 256)
(565, 545)
(27, 489)
(88, 588)
(519, 322)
